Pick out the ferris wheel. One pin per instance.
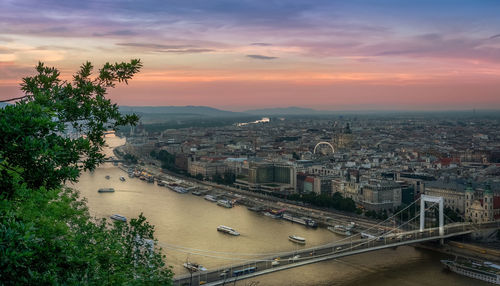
(324, 147)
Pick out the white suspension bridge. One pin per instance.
(393, 232)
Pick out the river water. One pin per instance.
(186, 224)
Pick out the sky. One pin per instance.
(243, 54)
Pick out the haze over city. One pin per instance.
(239, 55)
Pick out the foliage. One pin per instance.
(130, 158)
(34, 139)
(167, 160)
(227, 179)
(48, 237)
(46, 233)
(336, 201)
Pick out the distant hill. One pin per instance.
(292, 110)
(181, 110)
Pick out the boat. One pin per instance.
(301, 220)
(485, 271)
(228, 230)
(297, 239)
(339, 229)
(179, 189)
(225, 203)
(150, 179)
(193, 267)
(131, 174)
(196, 193)
(345, 230)
(118, 217)
(255, 209)
(161, 183)
(106, 190)
(122, 178)
(210, 198)
(107, 177)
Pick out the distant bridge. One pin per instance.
(345, 247)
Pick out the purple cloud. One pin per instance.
(261, 57)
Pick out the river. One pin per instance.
(184, 222)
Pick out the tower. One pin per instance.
(488, 203)
(469, 198)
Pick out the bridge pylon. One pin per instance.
(432, 199)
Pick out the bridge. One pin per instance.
(406, 233)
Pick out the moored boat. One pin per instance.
(225, 203)
(228, 230)
(301, 220)
(122, 178)
(297, 239)
(485, 271)
(118, 217)
(345, 230)
(210, 198)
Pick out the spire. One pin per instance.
(487, 189)
(469, 188)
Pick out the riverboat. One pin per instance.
(179, 189)
(301, 220)
(106, 190)
(118, 217)
(345, 230)
(297, 239)
(193, 267)
(485, 271)
(225, 203)
(210, 198)
(228, 230)
(255, 209)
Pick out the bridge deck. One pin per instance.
(261, 266)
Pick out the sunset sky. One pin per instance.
(243, 54)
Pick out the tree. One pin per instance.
(48, 137)
(35, 141)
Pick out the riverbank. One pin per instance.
(324, 218)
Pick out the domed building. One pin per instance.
(479, 210)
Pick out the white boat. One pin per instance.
(122, 178)
(210, 198)
(179, 189)
(118, 217)
(297, 239)
(485, 271)
(194, 267)
(301, 220)
(228, 230)
(106, 190)
(345, 230)
(225, 203)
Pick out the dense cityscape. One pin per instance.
(380, 163)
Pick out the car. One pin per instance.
(224, 273)
(276, 262)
